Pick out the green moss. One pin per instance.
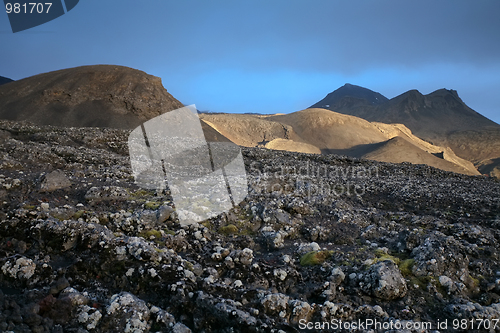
(103, 219)
(29, 207)
(207, 225)
(315, 258)
(146, 234)
(169, 232)
(140, 193)
(152, 205)
(189, 265)
(386, 256)
(405, 267)
(230, 229)
(475, 281)
(423, 281)
(78, 214)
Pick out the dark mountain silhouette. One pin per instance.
(431, 116)
(4, 80)
(350, 96)
(440, 117)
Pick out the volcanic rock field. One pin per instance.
(320, 239)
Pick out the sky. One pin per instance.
(275, 56)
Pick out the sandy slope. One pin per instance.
(324, 131)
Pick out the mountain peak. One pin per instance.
(350, 95)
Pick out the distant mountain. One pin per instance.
(431, 116)
(350, 96)
(440, 117)
(4, 80)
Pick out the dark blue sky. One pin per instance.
(275, 55)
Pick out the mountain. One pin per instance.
(90, 96)
(350, 96)
(4, 80)
(433, 116)
(440, 117)
(323, 131)
(97, 96)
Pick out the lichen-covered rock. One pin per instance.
(275, 304)
(128, 314)
(106, 193)
(89, 316)
(471, 313)
(244, 256)
(164, 213)
(384, 280)
(441, 255)
(301, 311)
(274, 239)
(308, 247)
(21, 268)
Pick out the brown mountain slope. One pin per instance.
(330, 130)
(249, 130)
(431, 117)
(398, 150)
(90, 96)
(98, 96)
(320, 130)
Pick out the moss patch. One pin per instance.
(147, 234)
(78, 214)
(315, 258)
(230, 229)
(405, 267)
(152, 205)
(169, 232)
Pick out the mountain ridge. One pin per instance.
(440, 117)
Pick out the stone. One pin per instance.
(55, 180)
(384, 280)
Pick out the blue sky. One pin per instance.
(275, 55)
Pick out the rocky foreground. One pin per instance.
(319, 241)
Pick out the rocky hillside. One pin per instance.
(98, 96)
(320, 238)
